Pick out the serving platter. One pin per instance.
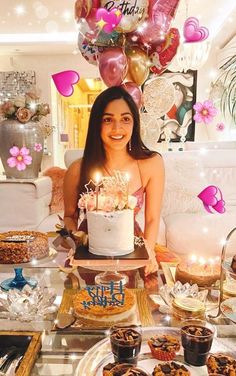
(99, 355)
(228, 308)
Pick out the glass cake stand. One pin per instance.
(107, 277)
(18, 282)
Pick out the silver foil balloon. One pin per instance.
(133, 13)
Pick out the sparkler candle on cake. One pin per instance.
(203, 272)
(110, 215)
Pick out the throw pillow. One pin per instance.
(57, 175)
(184, 180)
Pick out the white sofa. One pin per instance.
(186, 227)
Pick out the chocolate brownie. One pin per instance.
(114, 369)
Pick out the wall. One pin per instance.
(45, 66)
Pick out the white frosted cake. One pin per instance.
(111, 233)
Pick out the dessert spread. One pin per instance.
(164, 347)
(221, 364)
(170, 369)
(202, 275)
(18, 247)
(125, 344)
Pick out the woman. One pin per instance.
(114, 143)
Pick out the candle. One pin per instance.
(127, 188)
(97, 181)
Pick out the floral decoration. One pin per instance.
(204, 112)
(220, 127)
(38, 147)
(20, 158)
(110, 194)
(24, 107)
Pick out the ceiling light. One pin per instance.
(20, 10)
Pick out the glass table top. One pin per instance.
(62, 351)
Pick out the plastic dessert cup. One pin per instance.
(126, 343)
(196, 337)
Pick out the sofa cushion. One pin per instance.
(56, 174)
(201, 234)
(24, 203)
(184, 180)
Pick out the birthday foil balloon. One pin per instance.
(113, 66)
(88, 51)
(139, 65)
(133, 13)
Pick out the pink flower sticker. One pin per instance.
(204, 112)
(38, 147)
(20, 158)
(220, 127)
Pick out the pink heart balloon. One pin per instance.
(220, 206)
(193, 32)
(111, 18)
(64, 82)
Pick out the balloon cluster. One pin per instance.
(127, 39)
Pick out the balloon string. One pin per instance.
(186, 8)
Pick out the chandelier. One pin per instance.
(190, 56)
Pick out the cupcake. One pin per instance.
(123, 369)
(170, 369)
(221, 364)
(164, 347)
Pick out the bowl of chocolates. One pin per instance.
(196, 337)
(126, 343)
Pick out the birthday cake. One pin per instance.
(202, 275)
(101, 305)
(18, 247)
(110, 216)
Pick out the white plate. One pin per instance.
(99, 355)
(228, 308)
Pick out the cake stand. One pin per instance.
(19, 281)
(224, 267)
(110, 268)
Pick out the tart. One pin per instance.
(164, 347)
(125, 369)
(170, 369)
(221, 364)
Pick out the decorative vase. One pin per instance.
(28, 135)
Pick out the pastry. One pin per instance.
(164, 347)
(170, 369)
(221, 364)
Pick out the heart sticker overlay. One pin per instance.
(193, 32)
(64, 82)
(108, 21)
(209, 199)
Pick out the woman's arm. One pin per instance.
(71, 195)
(154, 192)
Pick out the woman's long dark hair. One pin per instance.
(94, 157)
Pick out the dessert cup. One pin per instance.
(126, 343)
(196, 337)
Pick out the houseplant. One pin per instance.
(228, 98)
(21, 135)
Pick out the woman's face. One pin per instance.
(117, 125)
